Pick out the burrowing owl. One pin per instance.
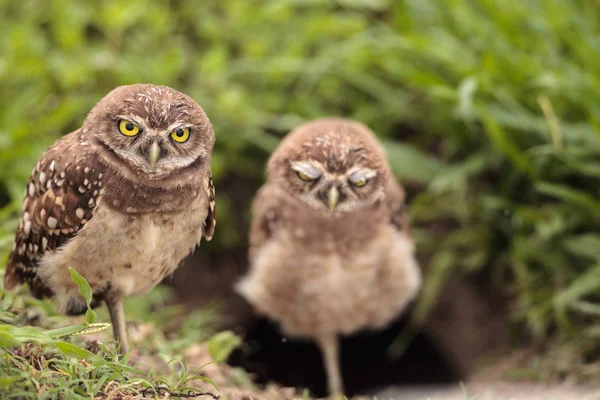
(330, 244)
(122, 200)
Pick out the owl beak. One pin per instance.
(333, 198)
(153, 154)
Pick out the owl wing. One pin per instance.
(266, 215)
(61, 196)
(211, 218)
(395, 198)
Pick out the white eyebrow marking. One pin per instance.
(366, 172)
(135, 119)
(179, 124)
(307, 168)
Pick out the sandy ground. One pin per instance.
(222, 375)
(491, 391)
(233, 385)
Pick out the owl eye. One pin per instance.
(181, 135)
(359, 179)
(128, 128)
(305, 177)
(360, 183)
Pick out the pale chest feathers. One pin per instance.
(311, 285)
(128, 252)
(329, 253)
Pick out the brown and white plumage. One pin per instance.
(122, 210)
(330, 257)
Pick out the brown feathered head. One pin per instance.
(332, 164)
(153, 130)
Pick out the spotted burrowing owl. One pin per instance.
(331, 250)
(122, 200)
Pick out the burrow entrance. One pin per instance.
(466, 323)
(365, 360)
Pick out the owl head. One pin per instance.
(154, 131)
(331, 164)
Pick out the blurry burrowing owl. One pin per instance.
(122, 200)
(330, 244)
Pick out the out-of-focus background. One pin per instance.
(489, 111)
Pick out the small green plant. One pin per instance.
(11, 335)
(222, 344)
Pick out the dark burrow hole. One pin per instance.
(467, 322)
(366, 365)
(443, 352)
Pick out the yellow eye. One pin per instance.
(305, 177)
(361, 182)
(128, 128)
(181, 135)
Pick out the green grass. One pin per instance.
(489, 112)
(43, 361)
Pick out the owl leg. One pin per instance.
(117, 317)
(330, 350)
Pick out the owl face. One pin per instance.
(332, 165)
(322, 188)
(153, 130)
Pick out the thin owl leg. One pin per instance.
(330, 350)
(117, 317)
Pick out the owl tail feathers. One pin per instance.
(10, 278)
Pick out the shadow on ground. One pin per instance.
(366, 364)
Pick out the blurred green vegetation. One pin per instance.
(489, 111)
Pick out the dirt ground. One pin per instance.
(491, 391)
(228, 380)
